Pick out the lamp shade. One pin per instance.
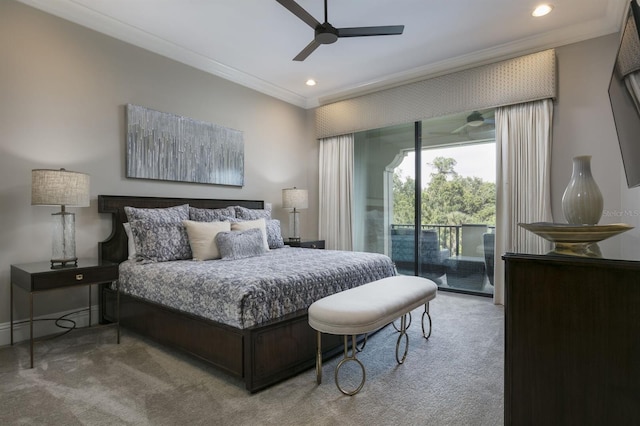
(59, 188)
(294, 198)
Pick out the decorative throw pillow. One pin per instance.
(210, 215)
(131, 246)
(202, 238)
(274, 234)
(249, 224)
(253, 214)
(240, 244)
(170, 214)
(158, 241)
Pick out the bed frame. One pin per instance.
(261, 355)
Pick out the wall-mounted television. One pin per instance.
(624, 94)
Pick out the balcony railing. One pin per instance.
(453, 256)
(449, 236)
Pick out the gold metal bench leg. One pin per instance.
(354, 351)
(319, 359)
(403, 333)
(426, 312)
(397, 328)
(364, 343)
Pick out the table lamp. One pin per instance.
(294, 198)
(62, 188)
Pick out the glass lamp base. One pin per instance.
(64, 240)
(294, 226)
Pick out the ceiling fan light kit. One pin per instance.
(326, 33)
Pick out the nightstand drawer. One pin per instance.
(317, 244)
(75, 276)
(48, 279)
(313, 244)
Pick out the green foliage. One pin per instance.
(403, 199)
(447, 199)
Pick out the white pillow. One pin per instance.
(261, 224)
(131, 246)
(202, 238)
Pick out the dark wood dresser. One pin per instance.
(572, 340)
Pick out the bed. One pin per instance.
(261, 335)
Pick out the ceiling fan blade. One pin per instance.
(461, 128)
(307, 51)
(297, 10)
(370, 31)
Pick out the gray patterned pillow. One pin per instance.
(240, 244)
(274, 234)
(211, 215)
(272, 228)
(171, 244)
(158, 241)
(253, 214)
(170, 214)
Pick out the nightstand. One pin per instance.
(317, 244)
(39, 277)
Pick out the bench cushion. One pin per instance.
(370, 306)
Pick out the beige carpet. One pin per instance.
(84, 378)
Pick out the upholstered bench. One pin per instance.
(367, 308)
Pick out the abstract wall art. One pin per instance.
(166, 146)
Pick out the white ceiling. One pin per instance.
(253, 42)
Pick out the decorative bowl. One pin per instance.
(576, 240)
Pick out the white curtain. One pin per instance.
(523, 142)
(336, 183)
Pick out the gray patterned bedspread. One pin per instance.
(246, 292)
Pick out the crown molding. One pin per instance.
(86, 17)
(81, 15)
(612, 23)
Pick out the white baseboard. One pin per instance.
(44, 328)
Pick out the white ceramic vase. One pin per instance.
(582, 200)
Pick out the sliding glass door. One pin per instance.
(424, 194)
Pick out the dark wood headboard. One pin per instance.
(114, 248)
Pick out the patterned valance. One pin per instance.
(628, 59)
(523, 79)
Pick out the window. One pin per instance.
(447, 167)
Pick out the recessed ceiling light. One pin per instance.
(311, 82)
(542, 10)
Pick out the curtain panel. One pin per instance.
(523, 176)
(335, 192)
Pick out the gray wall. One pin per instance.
(583, 125)
(62, 94)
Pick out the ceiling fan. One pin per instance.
(475, 119)
(326, 33)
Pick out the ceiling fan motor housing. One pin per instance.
(326, 34)
(475, 119)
